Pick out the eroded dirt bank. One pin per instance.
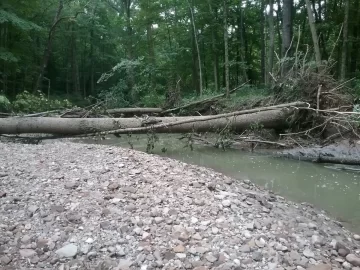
(73, 206)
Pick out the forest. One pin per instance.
(155, 53)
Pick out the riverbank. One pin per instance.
(84, 206)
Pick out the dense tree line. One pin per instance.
(141, 51)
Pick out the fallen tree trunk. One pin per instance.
(275, 118)
(119, 111)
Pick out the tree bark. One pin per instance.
(287, 33)
(262, 36)
(76, 126)
(314, 34)
(48, 47)
(213, 48)
(74, 63)
(278, 25)
(242, 50)
(226, 62)
(197, 47)
(131, 80)
(271, 39)
(92, 64)
(345, 41)
(355, 33)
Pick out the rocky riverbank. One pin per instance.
(343, 151)
(74, 206)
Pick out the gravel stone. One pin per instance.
(353, 259)
(257, 256)
(308, 253)
(5, 260)
(117, 208)
(67, 251)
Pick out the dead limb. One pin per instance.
(266, 142)
(318, 99)
(203, 101)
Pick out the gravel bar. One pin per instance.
(69, 206)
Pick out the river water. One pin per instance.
(335, 191)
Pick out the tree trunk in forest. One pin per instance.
(247, 51)
(5, 70)
(262, 37)
(314, 34)
(226, 45)
(345, 41)
(213, 47)
(355, 44)
(129, 48)
(149, 35)
(195, 72)
(48, 47)
(92, 65)
(272, 39)
(241, 45)
(197, 47)
(74, 63)
(278, 26)
(66, 126)
(287, 34)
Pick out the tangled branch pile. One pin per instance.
(331, 111)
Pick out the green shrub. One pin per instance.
(26, 102)
(5, 105)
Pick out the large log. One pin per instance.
(119, 111)
(267, 119)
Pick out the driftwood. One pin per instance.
(203, 101)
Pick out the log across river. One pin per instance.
(265, 119)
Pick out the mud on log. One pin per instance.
(63, 126)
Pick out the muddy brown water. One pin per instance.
(324, 186)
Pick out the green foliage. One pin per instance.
(356, 88)
(5, 105)
(152, 139)
(12, 18)
(115, 97)
(7, 56)
(153, 51)
(153, 99)
(26, 102)
(355, 117)
(127, 93)
(256, 127)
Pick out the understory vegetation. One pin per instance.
(128, 53)
(189, 58)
